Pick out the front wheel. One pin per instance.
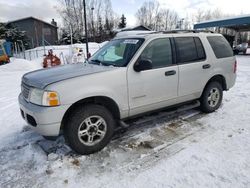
(89, 129)
(212, 97)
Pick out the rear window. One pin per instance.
(220, 46)
(189, 49)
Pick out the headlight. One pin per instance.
(36, 96)
(44, 98)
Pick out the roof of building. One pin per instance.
(238, 23)
(31, 17)
(133, 28)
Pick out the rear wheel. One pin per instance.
(212, 97)
(89, 129)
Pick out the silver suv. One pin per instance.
(129, 76)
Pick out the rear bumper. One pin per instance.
(44, 120)
(231, 80)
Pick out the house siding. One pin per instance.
(34, 31)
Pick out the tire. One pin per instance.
(89, 129)
(211, 97)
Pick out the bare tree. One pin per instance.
(72, 14)
(151, 15)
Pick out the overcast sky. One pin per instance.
(47, 9)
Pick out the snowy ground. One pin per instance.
(187, 149)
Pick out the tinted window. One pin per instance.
(189, 49)
(220, 46)
(200, 49)
(159, 52)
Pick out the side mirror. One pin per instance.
(143, 64)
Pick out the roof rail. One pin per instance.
(181, 31)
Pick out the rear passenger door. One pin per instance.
(194, 69)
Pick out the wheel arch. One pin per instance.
(107, 102)
(218, 78)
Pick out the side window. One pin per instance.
(189, 49)
(200, 49)
(220, 46)
(159, 52)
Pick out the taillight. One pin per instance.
(235, 66)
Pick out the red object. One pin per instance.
(51, 60)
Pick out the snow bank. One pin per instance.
(22, 65)
(62, 51)
(10, 81)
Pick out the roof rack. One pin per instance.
(181, 31)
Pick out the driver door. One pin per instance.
(153, 89)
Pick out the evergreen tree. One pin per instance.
(123, 22)
(12, 34)
(2, 30)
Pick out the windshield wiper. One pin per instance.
(96, 61)
(108, 64)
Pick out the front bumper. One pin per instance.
(44, 120)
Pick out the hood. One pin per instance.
(44, 77)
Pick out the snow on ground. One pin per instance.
(188, 149)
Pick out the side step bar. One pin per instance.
(148, 118)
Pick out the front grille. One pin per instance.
(25, 91)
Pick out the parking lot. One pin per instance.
(185, 149)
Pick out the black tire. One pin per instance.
(207, 105)
(78, 118)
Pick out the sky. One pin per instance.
(48, 9)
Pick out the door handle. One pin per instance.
(170, 73)
(206, 66)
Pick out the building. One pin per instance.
(136, 28)
(238, 24)
(38, 31)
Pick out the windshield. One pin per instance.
(117, 52)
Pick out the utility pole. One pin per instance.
(86, 31)
(93, 29)
(71, 35)
(43, 43)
